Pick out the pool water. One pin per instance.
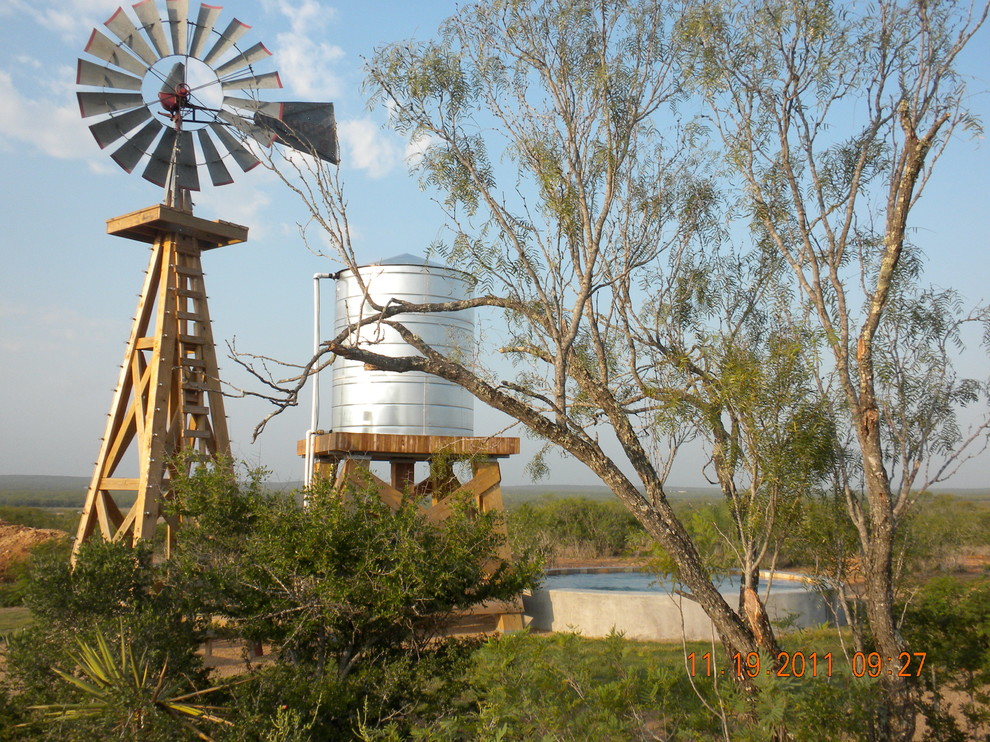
(647, 582)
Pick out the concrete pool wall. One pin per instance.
(656, 616)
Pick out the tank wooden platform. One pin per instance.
(383, 447)
(347, 457)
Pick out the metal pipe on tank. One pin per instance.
(314, 415)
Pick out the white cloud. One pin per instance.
(101, 166)
(304, 66)
(307, 16)
(416, 148)
(366, 147)
(70, 19)
(304, 61)
(48, 125)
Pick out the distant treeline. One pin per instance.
(941, 532)
(43, 499)
(73, 499)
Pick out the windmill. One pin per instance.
(173, 96)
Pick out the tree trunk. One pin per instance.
(897, 720)
(752, 609)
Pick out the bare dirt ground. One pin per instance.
(17, 541)
(227, 657)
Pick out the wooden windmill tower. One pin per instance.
(162, 91)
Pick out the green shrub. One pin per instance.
(949, 620)
(15, 586)
(114, 590)
(36, 517)
(941, 529)
(573, 528)
(564, 687)
(350, 594)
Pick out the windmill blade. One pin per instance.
(227, 39)
(124, 30)
(157, 168)
(88, 73)
(207, 18)
(247, 104)
(253, 82)
(260, 135)
(130, 152)
(241, 154)
(246, 59)
(147, 13)
(175, 75)
(185, 167)
(109, 131)
(178, 15)
(93, 104)
(100, 46)
(219, 173)
(306, 127)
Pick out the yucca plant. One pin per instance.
(123, 691)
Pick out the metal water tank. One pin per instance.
(413, 403)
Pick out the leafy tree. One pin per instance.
(584, 202)
(572, 209)
(831, 119)
(740, 369)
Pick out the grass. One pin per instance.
(14, 619)
(564, 686)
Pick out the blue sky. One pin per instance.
(67, 290)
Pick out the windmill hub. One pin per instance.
(175, 101)
(191, 91)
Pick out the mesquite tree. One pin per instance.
(832, 118)
(565, 194)
(582, 196)
(573, 196)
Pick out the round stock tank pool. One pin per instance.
(595, 602)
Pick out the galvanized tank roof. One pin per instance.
(408, 259)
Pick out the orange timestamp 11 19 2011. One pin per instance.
(810, 665)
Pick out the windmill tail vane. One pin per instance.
(176, 95)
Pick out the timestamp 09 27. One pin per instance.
(808, 664)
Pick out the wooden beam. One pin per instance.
(403, 474)
(361, 477)
(386, 447)
(118, 483)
